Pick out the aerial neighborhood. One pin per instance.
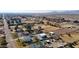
(52, 31)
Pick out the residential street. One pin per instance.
(11, 42)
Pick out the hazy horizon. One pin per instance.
(33, 11)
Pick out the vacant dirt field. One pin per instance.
(74, 37)
(47, 28)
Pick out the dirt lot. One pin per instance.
(47, 28)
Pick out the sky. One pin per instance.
(37, 5)
(26, 11)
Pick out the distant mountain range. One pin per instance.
(52, 12)
(55, 12)
(66, 12)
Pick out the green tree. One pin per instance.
(29, 27)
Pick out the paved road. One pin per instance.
(11, 42)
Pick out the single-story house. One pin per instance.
(42, 36)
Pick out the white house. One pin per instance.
(54, 35)
(42, 36)
(51, 33)
(27, 38)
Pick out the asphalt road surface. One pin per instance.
(10, 41)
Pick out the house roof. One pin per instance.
(27, 38)
(42, 34)
(52, 32)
